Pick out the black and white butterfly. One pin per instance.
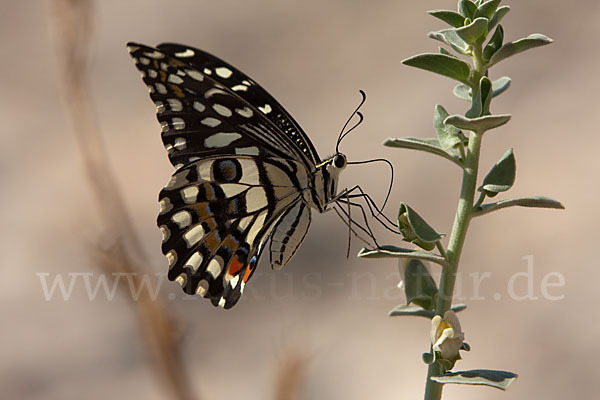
(247, 174)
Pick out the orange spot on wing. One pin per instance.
(247, 274)
(235, 266)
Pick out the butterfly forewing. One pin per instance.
(200, 117)
(230, 77)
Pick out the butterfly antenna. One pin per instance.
(391, 177)
(355, 112)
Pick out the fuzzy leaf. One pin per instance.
(481, 102)
(450, 17)
(474, 32)
(518, 46)
(480, 124)
(415, 229)
(419, 287)
(502, 175)
(463, 91)
(449, 137)
(494, 44)
(500, 85)
(448, 66)
(533, 202)
(498, 15)
(446, 52)
(427, 145)
(449, 37)
(466, 8)
(404, 310)
(388, 251)
(497, 379)
(487, 9)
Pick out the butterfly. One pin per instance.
(247, 175)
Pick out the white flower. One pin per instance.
(447, 336)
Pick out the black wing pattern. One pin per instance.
(242, 162)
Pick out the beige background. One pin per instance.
(313, 57)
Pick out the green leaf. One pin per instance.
(518, 46)
(466, 8)
(449, 137)
(427, 145)
(498, 15)
(534, 202)
(494, 44)
(388, 251)
(474, 32)
(463, 91)
(480, 124)
(487, 9)
(497, 379)
(502, 175)
(419, 287)
(446, 52)
(450, 17)
(448, 66)
(407, 311)
(481, 102)
(415, 230)
(500, 85)
(451, 38)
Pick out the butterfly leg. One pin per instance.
(373, 208)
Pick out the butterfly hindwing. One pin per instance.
(215, 216)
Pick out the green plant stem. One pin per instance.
(464, 211)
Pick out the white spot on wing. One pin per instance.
(194, 235)
(194, 261)
(160, 107)
(231, 189)
(164, 126)
(256, 199)
(175, 79)
(183, 218)
(194, 75)
(180, 143)
(199, 106)
(234, 281)
(223, 72)
(161, 88)
(152, 73)
(186, 53)
(245, 112)
(181, 279)
(202, 288)
(155, 54)
(169, 148)
(178, 123)
(207, 71)
(247, 151)
(189, 194)
(172, 257)
(265, 109)
(222, 110)
(144, 60)
(210, 121)
(221, 139)
(215, 266)
(165, 205)
(222, 302)
(239, 88)
(175, 104)
(166, 233)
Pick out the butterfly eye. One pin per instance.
(339, 161)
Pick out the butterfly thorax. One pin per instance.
(325, 182)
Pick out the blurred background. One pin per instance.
(323, 320)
